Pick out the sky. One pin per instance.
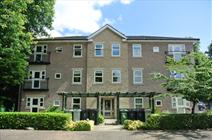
(172, 18)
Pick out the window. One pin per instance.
(35, 101)
(56, 103)
(180, 102)
(158, 102)
(76, 103)
(57, 75)
(77, 50)
(99, 49)
(138, 102)
(177, 50)
(40, 49)
(115, 49)
(138, 76)
(98, 76)
(136, 50)
(59, 49)
(36, 77)
(156, 49)
(116, 76)
(176, 75)
(77, 76)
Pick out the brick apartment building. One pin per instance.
(106, 62)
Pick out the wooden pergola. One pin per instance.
(150, 95)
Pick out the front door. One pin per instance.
(35, 105)
(108, 108)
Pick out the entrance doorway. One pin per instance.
(107, 107)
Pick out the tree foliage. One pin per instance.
(196, 84)
(210, 51)
(19, 22)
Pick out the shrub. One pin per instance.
(101, 118)
(133, 124)
(179, 121)
(40, 121)
(83, 125)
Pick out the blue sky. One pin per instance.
(176, 18)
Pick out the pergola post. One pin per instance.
(63, 101)
(97, 106)
(153, 104)
(117, 106)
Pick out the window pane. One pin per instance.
(138, 79)
(138, 106)
(136, 50)
(99, 50)
(77, 79)
(38, 49)
(98, 73)
(37, 75)
(36, 84)
(98, 79)
(77, 50)
(35, 102)
(138, 73)
(76, 100)
(115, 49)
(138, 101)
(76, 106)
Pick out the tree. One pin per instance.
(210, 50)
(196, 82)
(20, 20)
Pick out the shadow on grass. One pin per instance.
(171, 134)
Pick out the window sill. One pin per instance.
(77, 56)
(77, 84)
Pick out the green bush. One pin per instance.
(179, 121)
(101, 118)
(133, 124)
(39, 121)
(83, 125)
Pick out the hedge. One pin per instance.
(83, 125)
(179, 121)
(39, 121)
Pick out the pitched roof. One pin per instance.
(107, 26)
(159, 38)
(87, 38)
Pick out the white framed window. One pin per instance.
(116, 50)
(57, 76)
(77, 76)
(56, 103)
(138, 102)
(59, 49)
(40, 49)
(98, 76)
(116, 76)
(156, 49)
(180, 102)
(77, 50)
(99, 50)
(177, 50)
(158, 103)
(138, 76)
(76, 103)
(36, 102)
(36, 76)
(136, 50)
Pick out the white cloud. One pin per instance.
(81, 16)
(126, 1)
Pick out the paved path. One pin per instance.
(105, 135)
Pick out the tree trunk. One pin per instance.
(193, 108)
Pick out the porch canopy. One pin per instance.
(150, 95)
